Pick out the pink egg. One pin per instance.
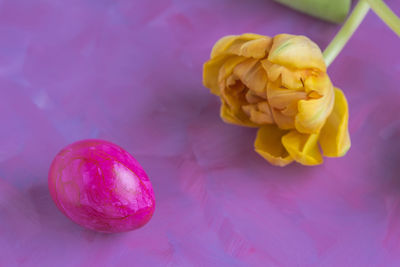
(100, 186)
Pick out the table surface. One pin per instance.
(130, 72)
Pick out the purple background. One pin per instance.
(130, 72)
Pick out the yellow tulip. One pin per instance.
(280, 85)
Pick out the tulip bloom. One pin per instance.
(280, 85)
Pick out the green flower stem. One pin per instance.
(347, 30)
(386, 14)
(354, 20)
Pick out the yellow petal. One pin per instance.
(210, 74)
(256, 48)
(334, 137)
(318, 82)
(283, 121)
(313, 112)
(246, 45)
(233, 93)
(290, 78)
(303, 148)
(296, 51)
(222, 45)
(284, 104)
(217, 69)
(253, 98)
(280, 97)
(239, 118)
(252, 75)
(228, 67)
(269, 145)
(259, 113)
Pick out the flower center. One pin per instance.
(250, 92)
(241, 98)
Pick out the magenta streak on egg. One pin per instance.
(100, 186)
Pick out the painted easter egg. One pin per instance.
(100, 186)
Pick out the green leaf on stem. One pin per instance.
(330, 10)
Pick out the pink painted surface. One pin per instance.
(102, 187)
(130, 72)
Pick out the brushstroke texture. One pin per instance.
(130, 72)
